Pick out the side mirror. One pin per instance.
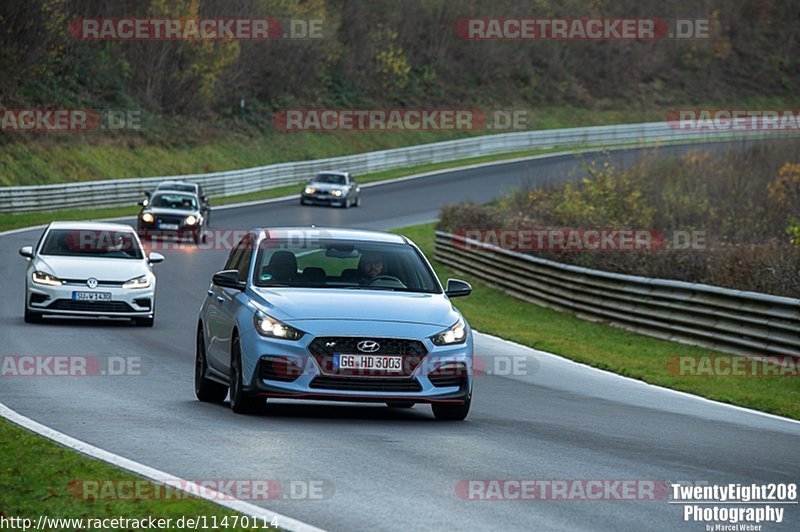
(155, 258)
(228, 279)
(204, 198)
(26, 251)
(143, 203)
(457, 288)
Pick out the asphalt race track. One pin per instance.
(391, 469)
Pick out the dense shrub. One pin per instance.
(746, 202)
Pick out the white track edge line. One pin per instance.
(284, 522)
(638, 381)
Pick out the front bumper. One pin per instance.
(150, 230)
(125, 302)
(309, 380)
(323, 199)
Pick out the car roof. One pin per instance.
(175, 182)
(334, 172)
(176, 192)
(334, 233)
(99, 226)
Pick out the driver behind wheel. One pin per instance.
(370, 266)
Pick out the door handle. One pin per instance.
(210, 292)
(220, 299)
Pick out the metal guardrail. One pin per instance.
(729, 320)
(128, 191)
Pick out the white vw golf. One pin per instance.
(90, 269)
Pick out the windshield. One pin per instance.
(343, 264)
(182, 202)
(180, 187)
(331, 179)
(91, 243)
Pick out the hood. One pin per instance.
(327, 187)
(85, 267)
(295, 304)
(171, 212)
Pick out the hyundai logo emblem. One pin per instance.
(91, 282)
(368, 346)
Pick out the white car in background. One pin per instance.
(337, 189)
(90, 269)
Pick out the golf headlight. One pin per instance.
(191, 220)
(269, 326)
(457, 334)
(147, 217)
(310, 190)
(337, 193)
(137, 282)
(45, 278)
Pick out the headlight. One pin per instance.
(191, 220)
(457, 334)
(147, 217)
(337, 193)
(269, 326)
(310, 190)
(45, 278)
(137, 282)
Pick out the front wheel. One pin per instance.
(32, 317)
(241, 401)
(144, 322)
(451, 411)
(205, 389)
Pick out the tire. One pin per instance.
(144, 322)
(303, 202)
(241, 401)
(451, 411)
(400, 404)
(358, 201)
(32, 317)
(205, 389)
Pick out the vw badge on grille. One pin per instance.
(91, 282)
(368, 346)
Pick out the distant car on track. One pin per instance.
(337, 189)
(172, 213)
(90, 269)
(184, 186)
(333, 314)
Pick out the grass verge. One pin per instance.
(168, 146)
(36, 476)
(492, 311)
